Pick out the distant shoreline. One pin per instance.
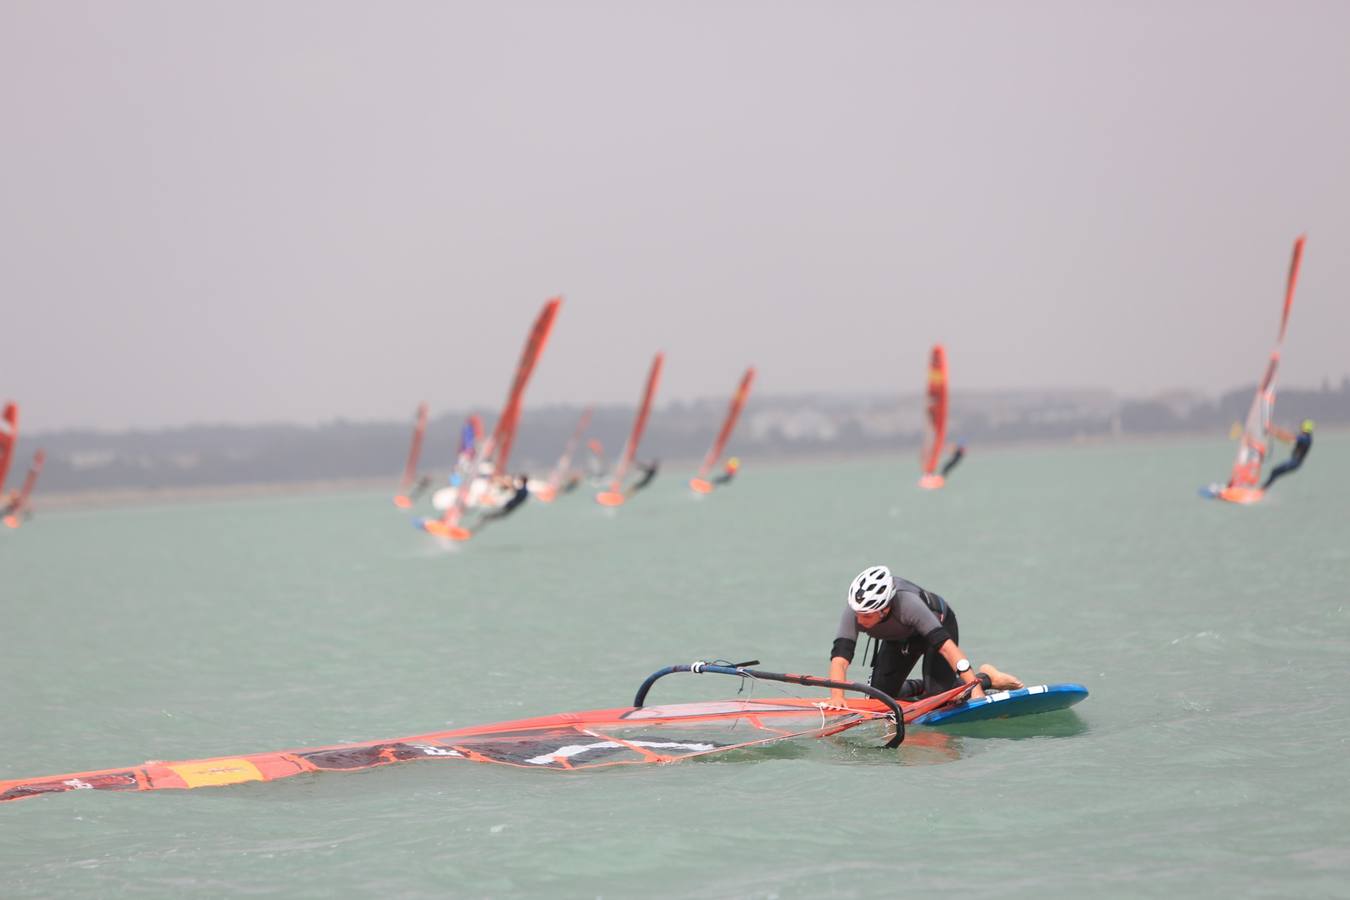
(116, 498)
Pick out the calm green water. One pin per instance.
(1209, 759)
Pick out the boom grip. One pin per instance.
(808, 680)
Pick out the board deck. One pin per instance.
(1027, 701)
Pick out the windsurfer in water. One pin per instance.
(911, 624)
(957, 455)
(733, 466)
(1302, 444)
(648, 473)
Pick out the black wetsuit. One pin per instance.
(520, 496)
(648, 473)
(1302, 444)
(918, 623)
(952, 460)
(420, 488)
(725, 477)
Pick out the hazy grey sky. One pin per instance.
(245, 211)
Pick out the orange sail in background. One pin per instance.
(503, 436)
(548, 492)
(614, 496)
(9, 436)
(935, 437)
(700, 482)
(414, 454)
(1244, 484)
(497, 449)
(14, 517)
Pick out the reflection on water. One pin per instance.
(1061, 723)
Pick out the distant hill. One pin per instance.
(773, 427)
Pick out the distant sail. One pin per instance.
(494, 454)
(1254, 445)
(505, 432)
(935, 424)
(402, 500)
(20, 503)
(550, 489)
(9, 436)
(614, 496)
(700, 482)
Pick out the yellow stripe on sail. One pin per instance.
(216, 772)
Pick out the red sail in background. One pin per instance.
(614, 496)
(555, 478)
(497, 448)
(503, 436)
(1254, 446)
(1291, 283)
(21, 500)
(9, 435)
(728, 424)
(414, 454)
(936, 436)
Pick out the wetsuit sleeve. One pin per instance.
(913, 612)
(846, 638)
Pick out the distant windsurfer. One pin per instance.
(520, 493)
(1302, 444)
(957, 455)
(420, 488)
(648, 473)
(911, 624)
(733, 466)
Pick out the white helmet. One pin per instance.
(871, 591)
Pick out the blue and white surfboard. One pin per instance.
(1027, 701)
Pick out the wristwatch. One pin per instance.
(962, 666)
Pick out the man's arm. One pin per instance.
(953, 655)
(838, 672)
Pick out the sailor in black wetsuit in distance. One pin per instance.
(420, 488)
(1302, 444)
(957, 455)
(522, 493)
(911, 624)
(733, 466)
(648, 473)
